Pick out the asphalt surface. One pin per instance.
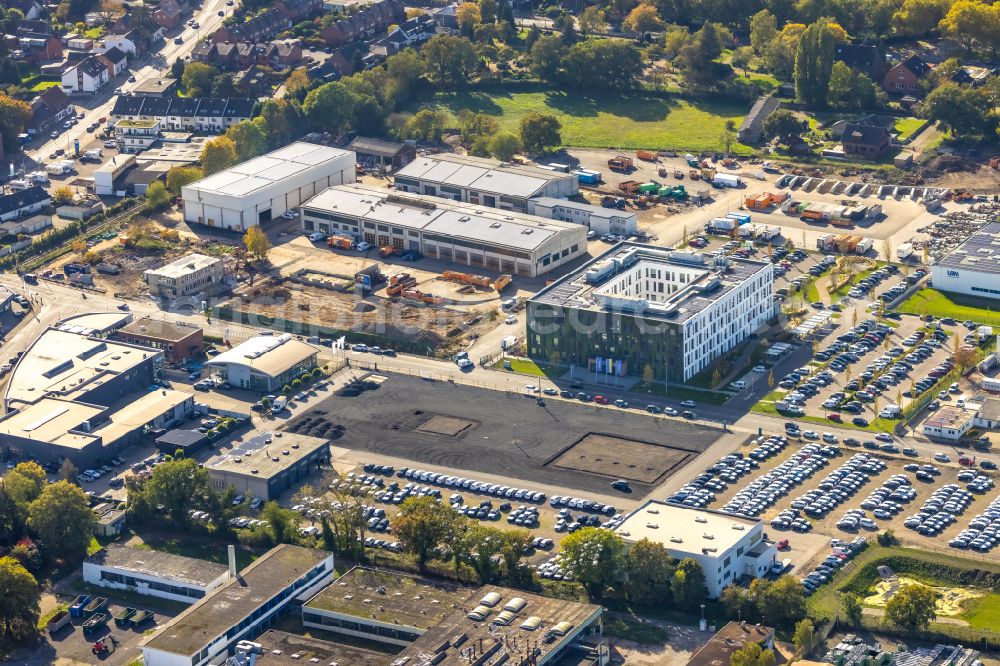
(507, 433)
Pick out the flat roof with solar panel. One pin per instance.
(980, 252)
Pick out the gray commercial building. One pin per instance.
(269, 464)
(483, 182)
(463, 233)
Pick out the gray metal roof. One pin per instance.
(481, 174)
(980, 252)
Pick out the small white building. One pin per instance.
(187, 276)
(260, 190)
(727, 547)
(265, 362)
(598, 219)
(949, 423)
(85, 77)
(153, 573)
(988, 416)
(107, 177)
(24, 203)
(135, 136)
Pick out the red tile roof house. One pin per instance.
(904, 78)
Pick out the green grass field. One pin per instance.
(620, 121)
(907, 126)
(983, 613)
(42, 86)
(937, 303)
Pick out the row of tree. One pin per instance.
(41, 523)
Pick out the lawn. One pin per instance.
(618, 121)
(42, 86)
(938, 303)
(524, 366)
(983, 613)
(905, 127)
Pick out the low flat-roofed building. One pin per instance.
(177, 342)
(483, 182)
(641, 306)
(949, 423)
(280, 648)
(263, 188)
(598, 219)
(128, 419)
(382, 155)
(406, 607)
(520, 624)
(155, 87)
(190, 275)
(95, 324)
(188, 441)
(470, 235)
(269, 464)
(240, 609)
(264, 363)
(154, 573)
(733, 637)
(73, 365)
(53, 429)
(110, 523)
(728, 547)
(428, 617)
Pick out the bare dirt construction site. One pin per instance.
(330, 301)
(564, 443)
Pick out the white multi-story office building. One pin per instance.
(640, 305)
(187, 276)
(598, 219)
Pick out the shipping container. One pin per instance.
(620, 163)
(587, 177)
(727, 179)
(647, 155)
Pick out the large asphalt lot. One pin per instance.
(508, 434)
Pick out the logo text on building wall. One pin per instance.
(952, 273)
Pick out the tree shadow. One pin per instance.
(477, 102)
(636, 107)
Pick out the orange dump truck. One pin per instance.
(340, 242)
(620, 163)
(424, 297)
(478, 280)
(399, 282)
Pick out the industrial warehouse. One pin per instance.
(972, 268)
(483, 182)
(505, 241)
(639, 306)
(259, 190)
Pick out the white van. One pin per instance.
(739, 384)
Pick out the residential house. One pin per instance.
(365, 23)
(185, 114)
(37, 48)
(888, 122)
(49, 108)
(974, 76)
(282, 53)
(446, 19)
(85, 77)
(865, 140)
(33, 26)
(862, 58)
(21, 204)
(114, 59)
(410, 33)
(253, 82)
(752, 127)
(260, 28)
(169, 14)
(296, 10)
(904, 78)
(32, 9)
(123, 43)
